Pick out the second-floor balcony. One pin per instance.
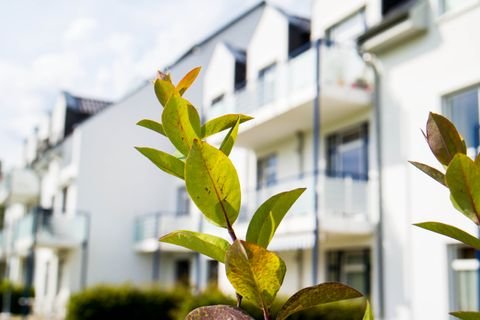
(42, 228)
(284, 97)
(148, 228)
(345, 208)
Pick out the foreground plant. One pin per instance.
(212, 182)
(461, 177)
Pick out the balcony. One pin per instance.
(150, 227)
(403, 21)
(44, 229)
(345, 209)
(286, 100)
(20, 186)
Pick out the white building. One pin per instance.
(427, 59)
(323, 120)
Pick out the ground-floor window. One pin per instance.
(182, 272)
(212, 273)
(464, 285)
(351, 267)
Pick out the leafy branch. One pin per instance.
(212, 182)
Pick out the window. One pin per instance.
(349, 29)
(449, 5)
(212, 273)
(240, 75)
(350, 267)
(463, 267)
(347, 153)
(183, 202)
(266, 84)
(267, 171)
(182, 272)
(60, 271)
(218, 101)
(64, 199)
(298, 40)
(389, 6)
(462, 109)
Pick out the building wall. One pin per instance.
(219, 74)
(414, 78)
(269, 43)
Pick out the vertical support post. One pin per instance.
(30, 266)
(316, 158)
(156, 254)
(198, 260)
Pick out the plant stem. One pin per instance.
(266, 316)
(231, 232)
(239, 300)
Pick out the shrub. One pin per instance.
(122, 302)
(16, 293)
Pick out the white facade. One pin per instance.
(114, 204)
(417, 73)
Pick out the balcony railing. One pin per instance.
(152, 226)
(340, 66)
(44, 228)
(340, 199)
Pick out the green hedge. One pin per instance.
(16, 292)
(122, 302)
(128, 302)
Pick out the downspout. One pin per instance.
(85, 247)
(371, 60)
(316, 157)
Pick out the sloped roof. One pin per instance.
(85, 105)
(238, 53)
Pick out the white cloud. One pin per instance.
(80, 29)
(104, 54)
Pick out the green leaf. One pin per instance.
(452, 232)
(268, 216)
(443, 138)
(187, 80)
(229, 141)
(209, 245)
(477, 160)
(254, 272)
(432, 172)
(213, 184)
(152, 125)
(164, 161)
(164, 89)
(466, 315)
(368, 312)
(181, 123)
(218, 312)
(221, 123)
(463, 180)
(315, 296)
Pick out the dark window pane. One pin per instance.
(212, 273)
(347, 153)
(183, 202)
(182, 272)
(462, 109)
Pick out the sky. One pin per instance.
(101, 49)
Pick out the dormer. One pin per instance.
(225, 74)
(69, 111)
(278, 37)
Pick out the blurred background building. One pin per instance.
(338, 98)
